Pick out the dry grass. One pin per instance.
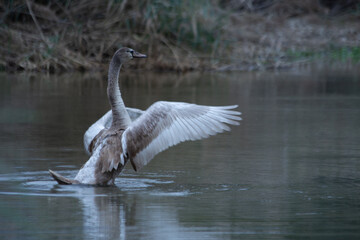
(55, 36)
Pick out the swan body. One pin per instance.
(128, 134)
(104, 123)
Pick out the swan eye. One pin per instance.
(131, 51)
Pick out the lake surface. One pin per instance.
(291, 170)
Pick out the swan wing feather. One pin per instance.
(165, 124)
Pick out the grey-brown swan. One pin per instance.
(125, 134)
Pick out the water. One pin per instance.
(289, 171)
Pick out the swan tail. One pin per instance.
(62, 180)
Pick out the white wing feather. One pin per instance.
(105, 122)
(166, 124)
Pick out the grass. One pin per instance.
(57, 36)
(341, 54)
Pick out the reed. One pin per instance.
(55, 36)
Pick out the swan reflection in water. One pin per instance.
(104, 212)
(111, 213)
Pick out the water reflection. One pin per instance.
(290, 170)
(103, 215)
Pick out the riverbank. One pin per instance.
(224, 35)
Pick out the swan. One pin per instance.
(127, 134)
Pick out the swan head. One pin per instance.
(125, 54)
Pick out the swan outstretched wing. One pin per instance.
(105, 122)
(166, 124)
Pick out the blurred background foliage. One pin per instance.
(62, 35)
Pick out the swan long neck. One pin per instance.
(121, 119)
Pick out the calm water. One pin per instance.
(291, 170)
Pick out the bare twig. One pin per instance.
(36, 23)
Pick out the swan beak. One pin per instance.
(138, 55)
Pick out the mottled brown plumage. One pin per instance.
(109, 163)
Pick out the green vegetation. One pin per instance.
(343, 54)
(59, 35)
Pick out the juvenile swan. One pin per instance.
(125, 134)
